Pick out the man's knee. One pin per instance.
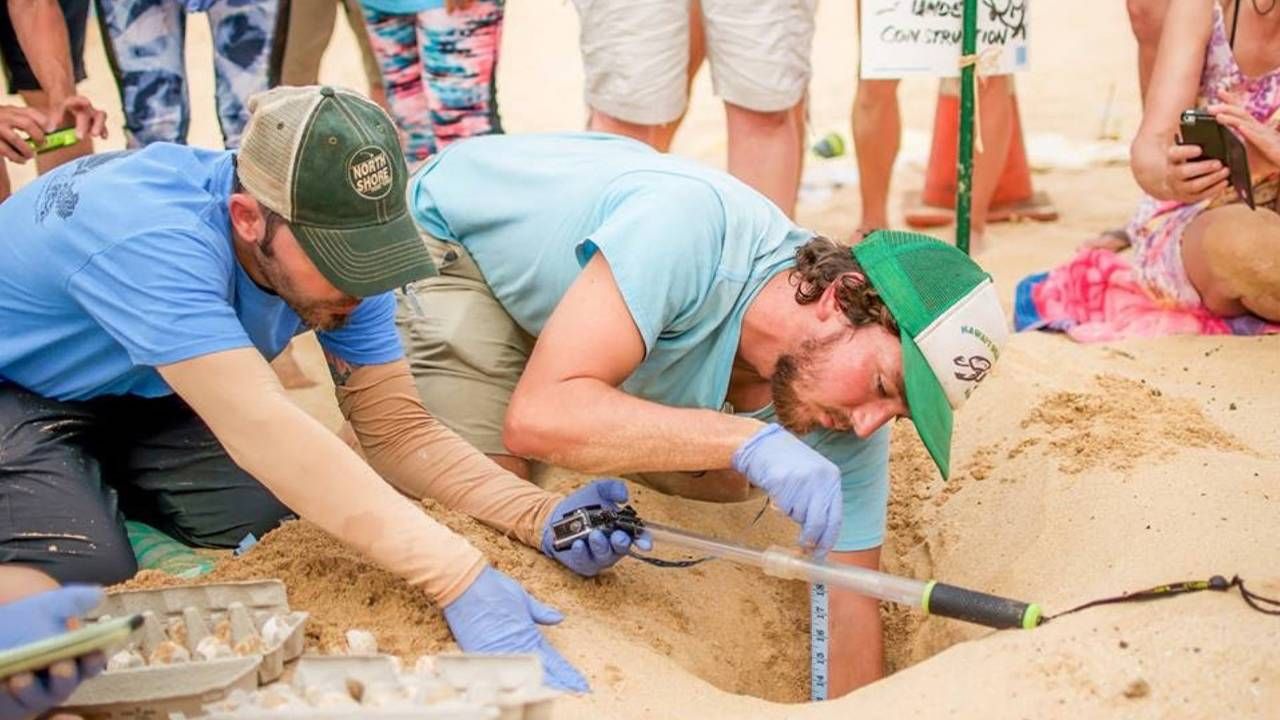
(758, 119)
(875, 95)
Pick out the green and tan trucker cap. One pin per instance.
(329, 162)
(951, 323)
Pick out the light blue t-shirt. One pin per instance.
(689, 247)
(119, 262)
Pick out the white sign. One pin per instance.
(903, 38)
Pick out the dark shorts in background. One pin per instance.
(17, 71)
(71, 472)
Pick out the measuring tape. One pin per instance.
(818, 640)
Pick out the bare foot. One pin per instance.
(1115, 240)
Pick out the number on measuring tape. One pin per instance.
(818, 641)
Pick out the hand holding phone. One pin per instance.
(1199, 128)
(42, 661)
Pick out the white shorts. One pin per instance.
(636, 54)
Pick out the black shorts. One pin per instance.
(72, 472)
(16, 69)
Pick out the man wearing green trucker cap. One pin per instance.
(612, 309)
(141, 295)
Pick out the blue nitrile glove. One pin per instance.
(799, 480)
(496, 615)
(40, 616)
(597, 552)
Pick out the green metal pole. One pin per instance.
(964, 149)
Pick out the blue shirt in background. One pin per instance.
(119, 262)
(689, 247)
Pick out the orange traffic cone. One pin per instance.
(1014, 197)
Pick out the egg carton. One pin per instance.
(196, 645)
(445, 687)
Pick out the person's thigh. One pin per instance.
(465, 351)
(173, 474)
(56, 515)
(635, 54)
(759, 51)
(144, 40)
(1229, 256)
(243, 34)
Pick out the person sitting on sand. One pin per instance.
(142, 293)
(609, 308)
(1199, 262)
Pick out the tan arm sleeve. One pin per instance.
(423, 458)
(309, 469)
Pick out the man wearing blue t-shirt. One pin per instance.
(141, 295)
(612, 309)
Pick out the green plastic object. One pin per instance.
(156, 551)
(66, 137)
(964, 154)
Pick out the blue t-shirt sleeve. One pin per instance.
(663, 248)
(163, 298)
(864, 470)
(370, 336)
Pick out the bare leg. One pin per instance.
(1146, 17)
(764, 154)
(996, 108)
(518, 466)
(877, 133)
(857, 639)
(18, 581)
(1232, 256)
(52, 159)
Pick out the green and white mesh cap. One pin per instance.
(329, 162)
(952, 326)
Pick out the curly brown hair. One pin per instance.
(822, 261)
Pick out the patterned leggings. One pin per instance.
(145, 40)
(438, 71)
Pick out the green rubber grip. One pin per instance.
(979, 608)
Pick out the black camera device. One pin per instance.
(579, 524)
(1199, 127)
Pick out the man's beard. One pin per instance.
(315, 315)
(788, 372)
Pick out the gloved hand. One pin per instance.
(496, 615)
(24, 621)
(799, 480)
(597, 552)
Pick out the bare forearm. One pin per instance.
(423, 458)
(586, 425)
(42, 34)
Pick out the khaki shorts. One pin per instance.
(636, 54)
(465, 351)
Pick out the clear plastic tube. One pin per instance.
(782, 563)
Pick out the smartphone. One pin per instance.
(1198, 127)
(73, 644)
(62, 137)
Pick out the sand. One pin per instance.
(1080, 471)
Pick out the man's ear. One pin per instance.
(247, 219)
(827, 306)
